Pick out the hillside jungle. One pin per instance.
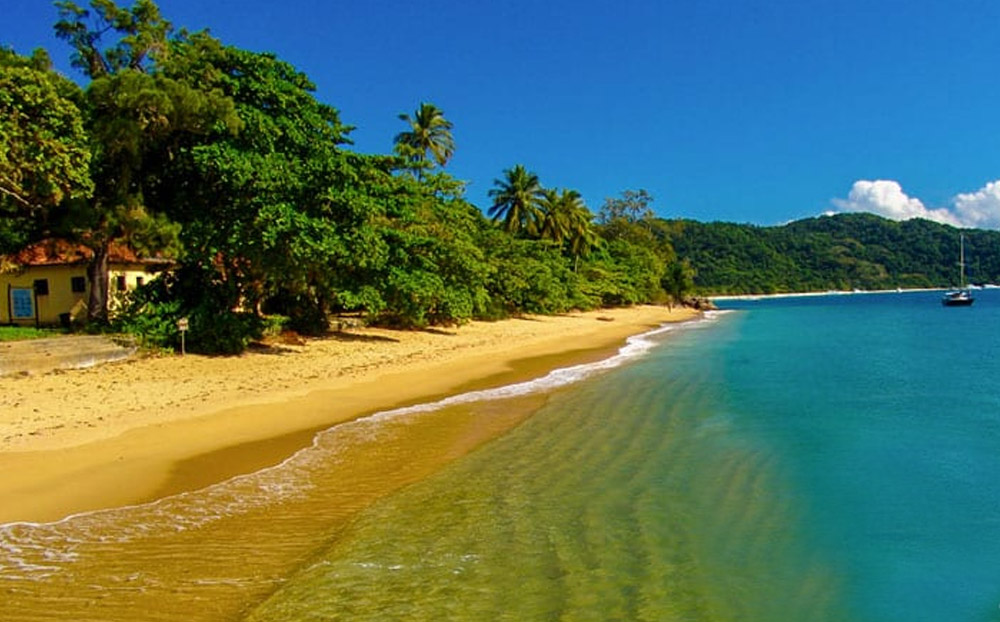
(224, 161)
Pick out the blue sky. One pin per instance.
(760, 112)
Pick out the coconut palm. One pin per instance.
(429, 132)
(581, 237)
(565, 219)
(515, 200)
(556, 210)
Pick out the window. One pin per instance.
(78, 284)
(139, 281)
(120, 283)
(41, 287)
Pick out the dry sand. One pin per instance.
(107, 436)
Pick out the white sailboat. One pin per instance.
(961, 297)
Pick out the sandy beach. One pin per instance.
(112, 435)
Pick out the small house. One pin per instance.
(46, 283)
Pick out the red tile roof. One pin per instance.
(55, 251)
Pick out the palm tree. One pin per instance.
(429, 132)
(581, 237)
(556, 212)
(565, 219)
(515, 200)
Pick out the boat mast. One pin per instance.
(961, 260)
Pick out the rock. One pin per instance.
(700, 303)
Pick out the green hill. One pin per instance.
(840, 252)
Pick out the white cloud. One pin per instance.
(886, 198)
(980, 209)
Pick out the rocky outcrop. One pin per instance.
(700, 303)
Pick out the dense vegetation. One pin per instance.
(223, 159)
(841, 252)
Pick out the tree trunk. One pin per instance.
(97, 274)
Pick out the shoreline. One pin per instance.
(132, 432)
(834, 292)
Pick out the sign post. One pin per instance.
(182, 325)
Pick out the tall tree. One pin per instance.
(630, 218)
(276, 208)
(677, 281)
(555, 208)
(582, 237)
(44, 153)
(132, 112)
(515, 200)
(567, 221)
(632, 207)
(429, 133)
(141, 33)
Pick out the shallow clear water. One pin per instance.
(826, 458)
(632, 496)
(214, 554)
(830, 458)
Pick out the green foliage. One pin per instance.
(575, 225)
(633, 274)
(629, 218)
(222, 332)
(841, 252)
(276, 208)
(152, 312)
(22, 333)
(678, 281)
(295, 312)
(567, 221)
(632, 207)
(429, 133)
(151, 316)
(515, 200)
(435, 272)
(137, 119)
(275, 324)
(530, 277)
(142, 33)
(531, 211)
(225, 159)
(44, 154)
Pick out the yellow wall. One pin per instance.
(61, 297)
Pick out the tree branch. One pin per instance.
(17, 197)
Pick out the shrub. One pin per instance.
(151, 312)
(151, 316)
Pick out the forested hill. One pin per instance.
(840, 252)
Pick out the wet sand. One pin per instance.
(130, 432)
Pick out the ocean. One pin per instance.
(811, 458)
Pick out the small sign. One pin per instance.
(182, 325)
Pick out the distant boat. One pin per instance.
(961, 297)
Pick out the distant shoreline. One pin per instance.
(836, 293)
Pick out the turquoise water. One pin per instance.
(806, 459)
(832, 458)
(887, 409)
